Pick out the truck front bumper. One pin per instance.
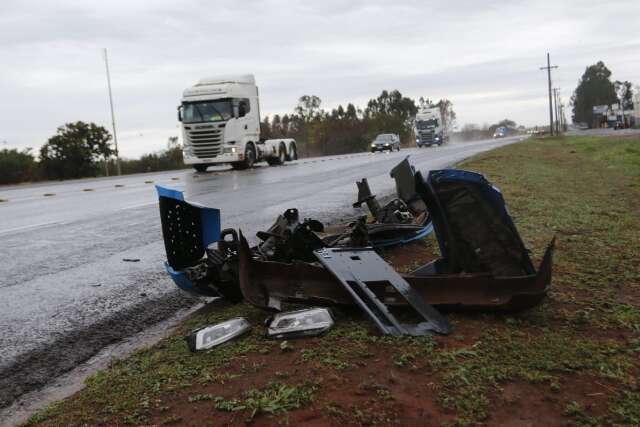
(190, 159)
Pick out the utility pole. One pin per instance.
(548, 68)
(113, 118)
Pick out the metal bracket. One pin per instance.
(359, 269)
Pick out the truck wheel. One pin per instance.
(282, 156)
(293, 153)
(249, 158)
(201, 167)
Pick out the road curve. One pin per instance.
(65, 291)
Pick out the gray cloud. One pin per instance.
(484, 56)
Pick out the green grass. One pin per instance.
(586, 191)
(274, 399)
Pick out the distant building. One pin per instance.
(606, 116)
(600, 116)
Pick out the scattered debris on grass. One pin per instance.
(484, 262)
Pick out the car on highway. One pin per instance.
(501, 132)
(386, 141)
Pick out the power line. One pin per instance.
(113, 118)
(548, 68)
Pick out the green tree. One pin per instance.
(17, 166)
(308, 106)
(594, 88)
(446, 112)
(624, 90)
(75, 151)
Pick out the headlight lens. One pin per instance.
(230, 150)
(214, 335)
(313, 321)
(373, 144)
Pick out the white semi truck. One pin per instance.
(429, 127)
(221, 124)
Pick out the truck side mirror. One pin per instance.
(242, 109)
(180, 113)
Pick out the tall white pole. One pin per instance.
(113, 118)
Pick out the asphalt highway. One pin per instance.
(65, 289)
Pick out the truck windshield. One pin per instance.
(424, 124)
(207, 111)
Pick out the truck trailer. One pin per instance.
(220, 119)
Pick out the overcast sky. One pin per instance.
(482, 55)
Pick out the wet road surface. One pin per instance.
(65, 291)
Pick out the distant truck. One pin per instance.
(429, 128)
(221, 124)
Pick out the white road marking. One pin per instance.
(27, 227)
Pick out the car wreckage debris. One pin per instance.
(299, 323)
(359, 270)
(484, 263)
(214, 335)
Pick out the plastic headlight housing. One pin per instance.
(301, 323)
(214, 335)
(230, 150)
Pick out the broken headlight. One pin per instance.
(214, 335)
(301, 323)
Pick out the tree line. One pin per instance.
(350, 129)
(79, 150)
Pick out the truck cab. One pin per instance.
(428, 128)
(220, 119)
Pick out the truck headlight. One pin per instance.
(301, 323)
(214, 335)
(373, 144)
(230, 150)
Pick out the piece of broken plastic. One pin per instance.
(300, 323)
(214, 335)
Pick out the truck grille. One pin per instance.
(206, 141)
(426, 136)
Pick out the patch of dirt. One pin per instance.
(372, 391)
(525, 404)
